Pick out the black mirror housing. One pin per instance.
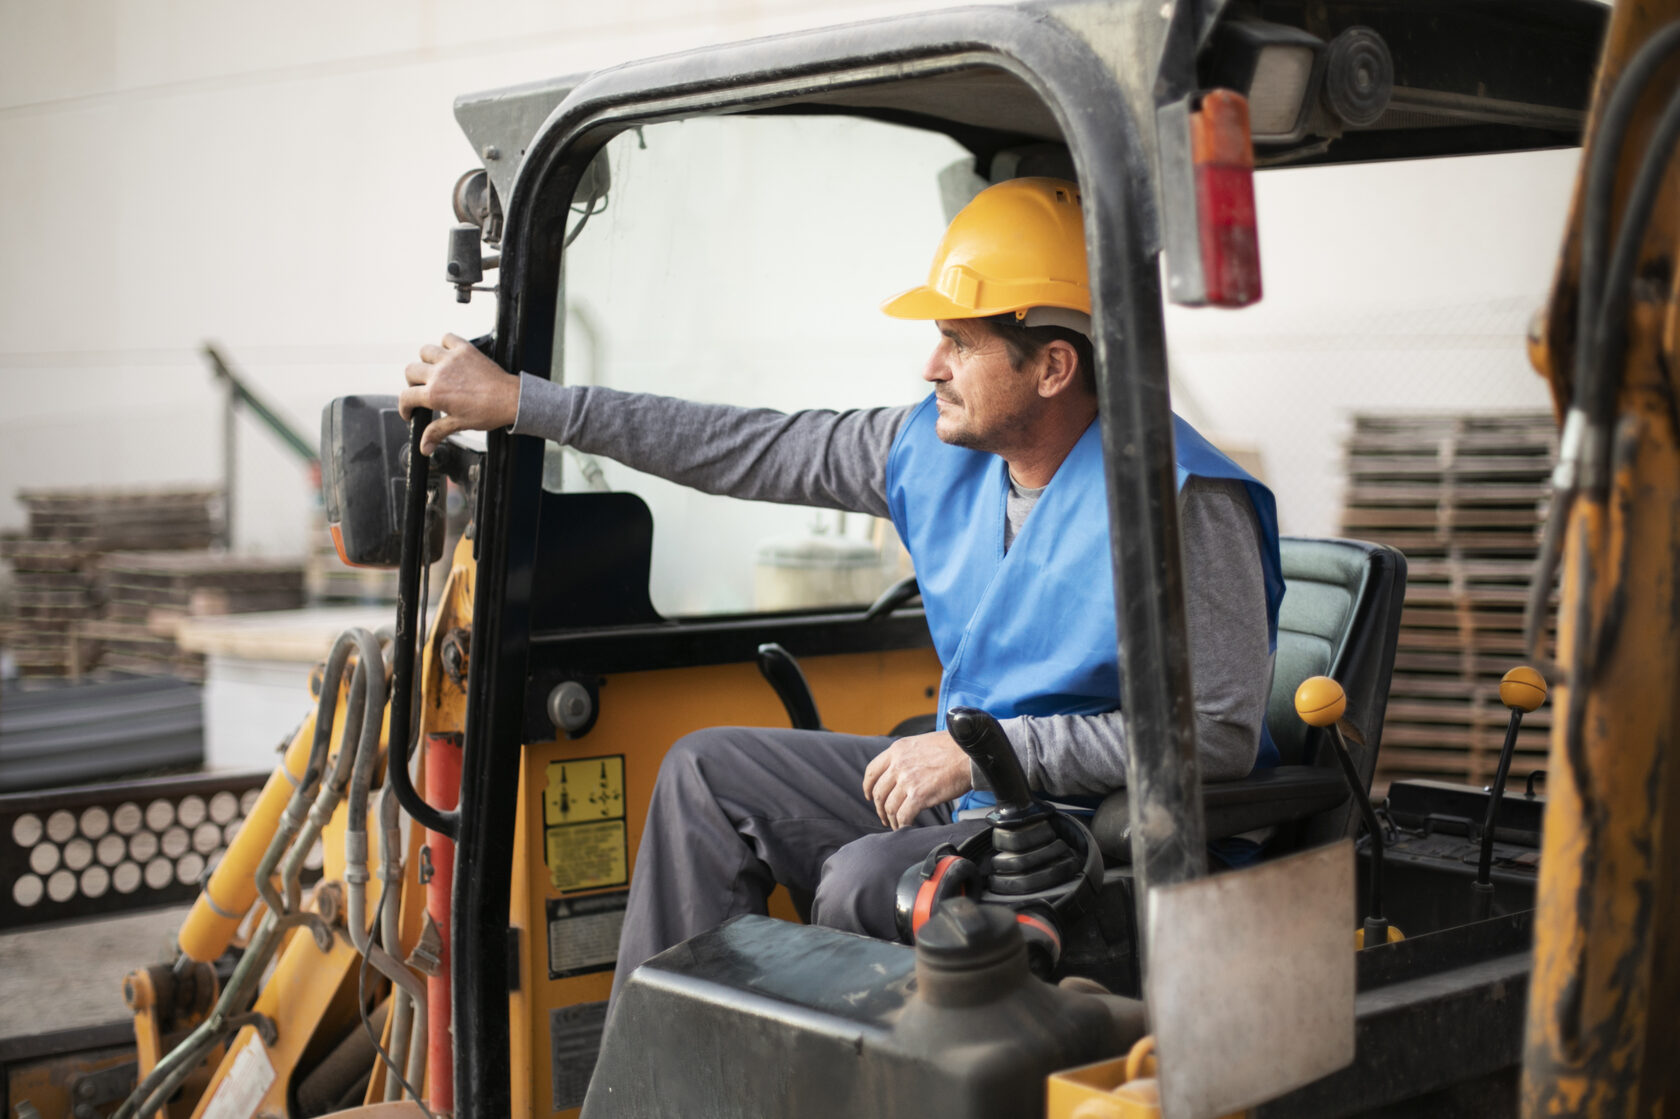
(364, 480)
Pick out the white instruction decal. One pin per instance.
(241, 1092)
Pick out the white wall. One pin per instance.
(272, 177)
(276, 178)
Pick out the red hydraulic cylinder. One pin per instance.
(443, 790)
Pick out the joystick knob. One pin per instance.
(1320, 701)
(1522, 689)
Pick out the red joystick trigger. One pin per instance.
(1041, 934)
(952, 876)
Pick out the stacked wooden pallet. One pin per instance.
(54, 592)
(148, 594)
(1464, 497)
(105, 520)
(55, 561)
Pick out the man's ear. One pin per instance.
(1060, 371)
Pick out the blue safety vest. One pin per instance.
(1032, 631)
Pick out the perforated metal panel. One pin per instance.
(112, 848)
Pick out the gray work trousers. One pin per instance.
(738, 809)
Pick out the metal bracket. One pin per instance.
(501, 124)
(90, 1090)
(262, 1023)
(427, 957)
(1180, 230)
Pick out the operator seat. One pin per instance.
(1340, 617)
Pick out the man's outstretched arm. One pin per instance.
(827, 459)
(817, 457)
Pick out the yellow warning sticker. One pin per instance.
(586, 842)
(584, 790)
(588, 856)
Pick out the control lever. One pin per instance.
(983, 740)
(1038, 862)
(892, 598)
(1030, 857)
(1320, 702)
(1522, 690)
(785, 678)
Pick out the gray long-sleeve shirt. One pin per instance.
(838, 460)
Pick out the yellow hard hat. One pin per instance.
(1018, 245)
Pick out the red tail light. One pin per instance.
(1223, 156)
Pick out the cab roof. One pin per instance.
(1469, 76)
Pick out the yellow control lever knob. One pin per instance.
(1320, 701)
(1522, 689)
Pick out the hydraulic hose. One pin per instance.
(1610, 334)
(1584, 448)
(414, 990)
(342, 1071)
(410, 988)
(288, 910)
(1595, 234)
(173, 1069)
(363, 714)
(297, 809)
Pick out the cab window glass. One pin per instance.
(742, 260)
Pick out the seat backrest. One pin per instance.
(1340, 617)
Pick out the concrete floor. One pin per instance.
(65, 976)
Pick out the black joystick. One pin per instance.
(1039, 863)
(1030, 857)
(988, 747)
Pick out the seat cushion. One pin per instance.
(1323, 580)
(1262, 799)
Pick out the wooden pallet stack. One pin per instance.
(108, 520)
(53, 592)
(1464, 497)
(55, 561)
(149, 594)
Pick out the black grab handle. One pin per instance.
(403, 653)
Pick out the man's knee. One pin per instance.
(692, 761)
(857, 886)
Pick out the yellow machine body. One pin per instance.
(591, 853)
(1600, 1035)
(232, 889)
